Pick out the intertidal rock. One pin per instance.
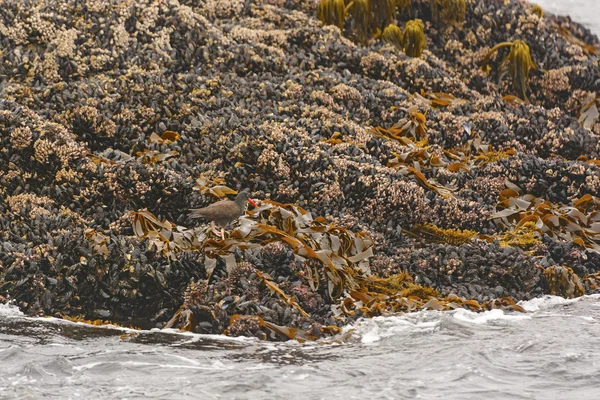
(426, 172)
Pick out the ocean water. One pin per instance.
(551, 352)
(586, 12)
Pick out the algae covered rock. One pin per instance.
(370, 165)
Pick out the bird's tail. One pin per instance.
(197, 213)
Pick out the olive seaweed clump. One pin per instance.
(387, 181)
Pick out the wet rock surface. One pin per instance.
(108, 109)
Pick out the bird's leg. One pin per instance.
(214, 228)
(223, 233)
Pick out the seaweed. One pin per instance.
(453, 237)
(562, 281)
(448, 11)
(517, 63)
(332, 12)
(393, 35)
(537, 10)
(413, 38)
(578, 223)
(588, 115)
(360, 11)
(383, 13)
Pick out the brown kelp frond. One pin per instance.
(448, 11)
(493, 156)
(290, 300)
(405, 7)
(562, 281)
(517, 63)
(213, 186)
(578, 223)
(588, 115)
(332, 12)
(589, 49)
(167, 137)
(413, 298)
(152, 157)
(167, 238)
(537, 10)
(440, 99)
(454, 237)
(524, 236)
(413, 39)
(401, 284)
(99, 241)
(360, 10)
(393, 35)
(592, 281)
(412, 126)
(342, 253)
(383, 13)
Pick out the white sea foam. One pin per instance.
(371, 330)
(546, 302)
(9, 310)
(487, 316)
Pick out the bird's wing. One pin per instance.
(214, 211)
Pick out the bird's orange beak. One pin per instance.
(252, 202)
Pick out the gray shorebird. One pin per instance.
(223, 212)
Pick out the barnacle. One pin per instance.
(448, 11)
(332, 12)
(383, 12)
(393, 35)
(360, 10)
(413, 39)
(517, 63)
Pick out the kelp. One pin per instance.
(372, 304)
(214, 187)
(588, 115)
(517, 63)
(537, 10)
(454, 237)
(578, 223)
(491, 156)
(332, 12)
(589, 49)
(421, 160)
(342, 253)
(164, 236)
(167, 137)
(413, 38)
(99, 241)
(524, 236)
(562, 281)
(360, 10)
(152, 157)
(412, 126)
(448, 11)
(290, 300)
(393, 35)
(383, 12)
(592, 281)
(440, 99)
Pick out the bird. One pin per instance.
(223, 212)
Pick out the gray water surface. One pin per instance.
(548, 353)
(586, 12)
